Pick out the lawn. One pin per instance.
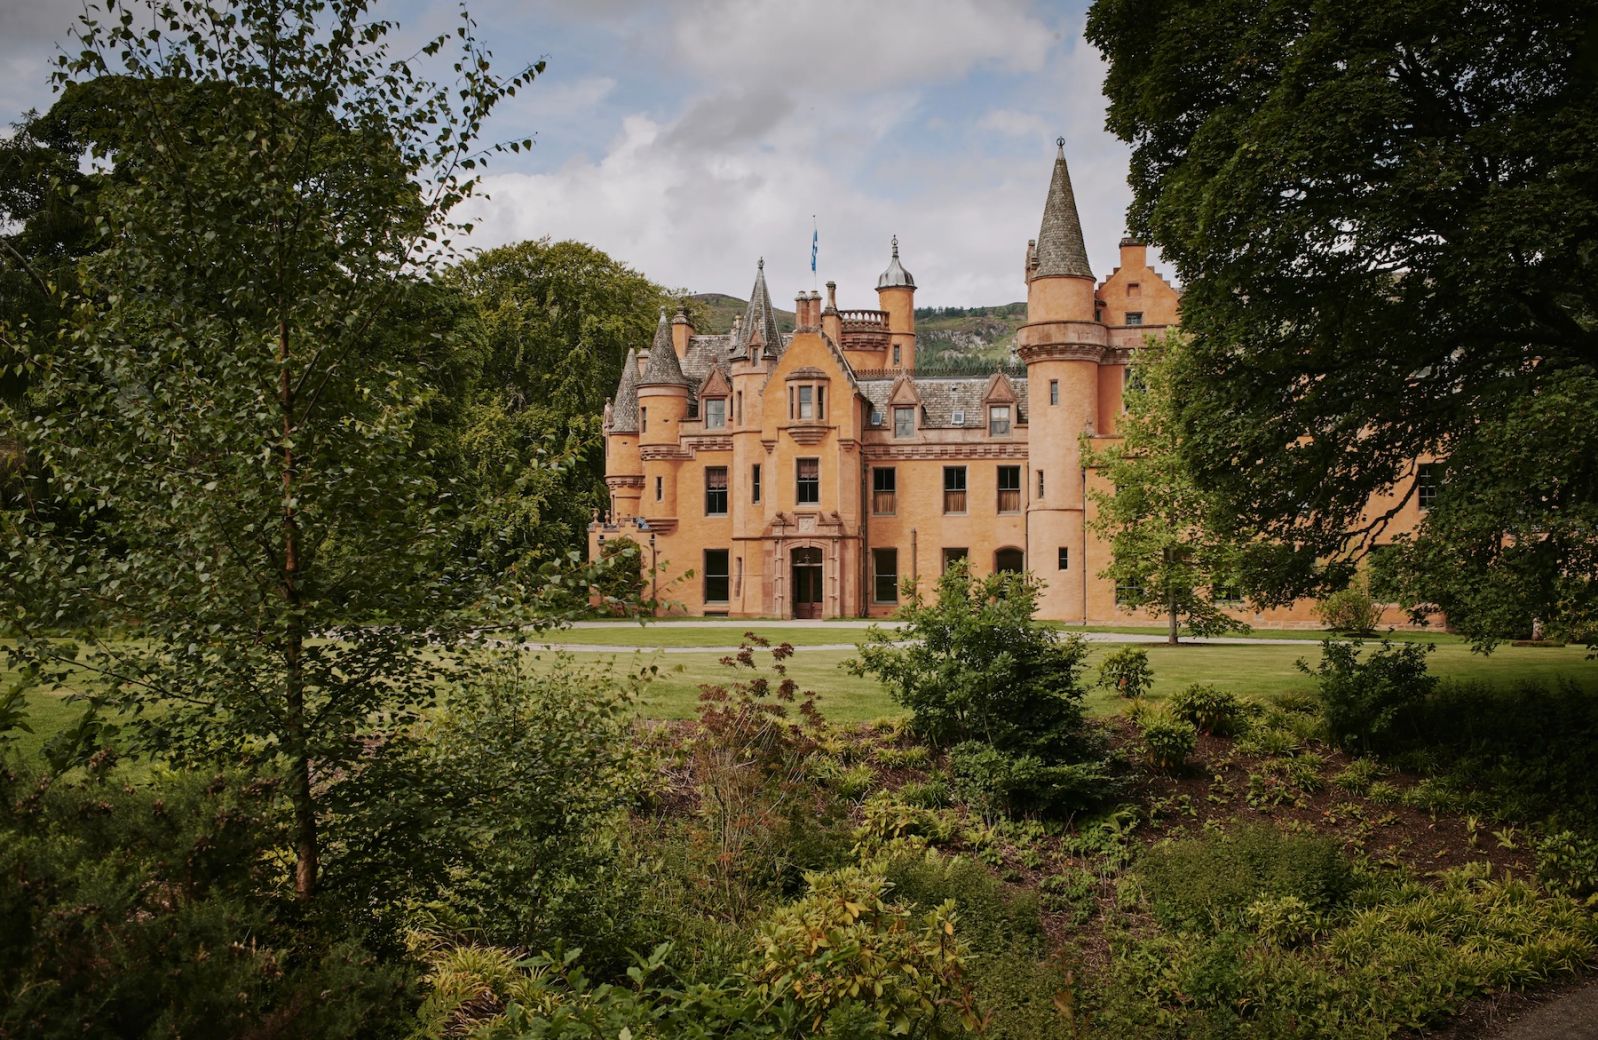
(1253, 671)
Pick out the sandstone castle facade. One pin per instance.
(811, 474)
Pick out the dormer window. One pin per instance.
(904, 421)
(715, 413)
(999, 420)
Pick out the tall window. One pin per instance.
(715, 490)
(754, 483)
(896, 357)
(807, 402)
(885, 575)
(660, 488)
(884, 488)
(1054, 391)
(807, 483)
(738, 407)
(1134, 317)
(716, 583)
(1009, 489)
(999, 420)
(643, 420)
(954, 489)
(952, 556)
(904, 422)
(1040, 485)
(715, 413)
(1428, 480)
(1065, 558)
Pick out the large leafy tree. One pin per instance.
(1169, 554)
(239, 400)
(1383, 214)
(550, 324)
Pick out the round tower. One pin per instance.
(1061, 344)
(662, 406)
(624, 472)
(896, 294)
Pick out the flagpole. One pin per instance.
(815, 245)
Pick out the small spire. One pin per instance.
(624, 417)
(760, 317)
(1060, 249)
(662, 366)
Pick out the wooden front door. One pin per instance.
(807, 583)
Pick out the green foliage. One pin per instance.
(1567, 863)
(1284, 921)
(1365, 701)
(888, 821)
(1360, 775)
(1126, 671)
(1350, 611)
(1170, 740)
(1328, 177)
(929, 794)
(1170, 551)
(846, 943)
(1393, 968)
(249, 365)
(156, 911)
(1210, 709)
(992, 779)
(980, 675)
(499, 816)
(1210, 881)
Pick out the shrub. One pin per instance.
(916, 756)
(1127, 672)
(1360, 775)
(928, 794)
(1210, 881)
(990, 778)
(886, 820)
(975, 665)
(1567, 864)
(1350, 611)
(1209, 709)
(1285, 921)
(1365, 701)
(845, 943)
(1170, 740)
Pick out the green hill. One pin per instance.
(943, 333)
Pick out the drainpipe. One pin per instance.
(915, 560)
(865, 535)
(1084, 567)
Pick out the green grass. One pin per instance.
(633, 634)
(1253, 671)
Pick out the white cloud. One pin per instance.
(830, 46)
(1011, 123)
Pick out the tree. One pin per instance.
(550, 326)
(1382, 214)
(1169, 554)
(232, 403)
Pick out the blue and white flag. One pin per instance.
(815, 246)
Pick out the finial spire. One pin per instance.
(1059, 143)
(896, 276)
(1060, 249)
(895, 245)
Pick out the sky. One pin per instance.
(688, 138)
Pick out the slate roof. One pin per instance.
(703, 354)
(662, 366)
(624, 412)
(895, 275)
(942, 396)
(759, 314)
(1061, 250)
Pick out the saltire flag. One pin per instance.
(815, 246)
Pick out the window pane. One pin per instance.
(999, 420)
(1009, 489)
(807, 489)
(715, 490)
(1065, 558)
(716, 583)
(807, 402)
(715, 413)
(903, 422)
(885, 571)
(954, 489)
(754, 483)
(884, 480)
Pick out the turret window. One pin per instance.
(807, 482)
(1040, 484)
(660, 488)
(643, 420)
(895, 357)
(1054, 391)
(715, 413)
(754, 483)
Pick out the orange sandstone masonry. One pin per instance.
(808, 475)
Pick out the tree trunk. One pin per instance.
(306, 853)
(1170, 602)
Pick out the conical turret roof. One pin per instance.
(759, 315)
(1060, 249)
(624, 413)
(662, 366)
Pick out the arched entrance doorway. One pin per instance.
(1009, 560)
(806, 582)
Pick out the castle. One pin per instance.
(809, 475)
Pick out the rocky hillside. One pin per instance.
(945, 333)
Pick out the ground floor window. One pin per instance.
(1009, 560)
(950, 556)
(885, 575)
(1126, 592)
(716, 581)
